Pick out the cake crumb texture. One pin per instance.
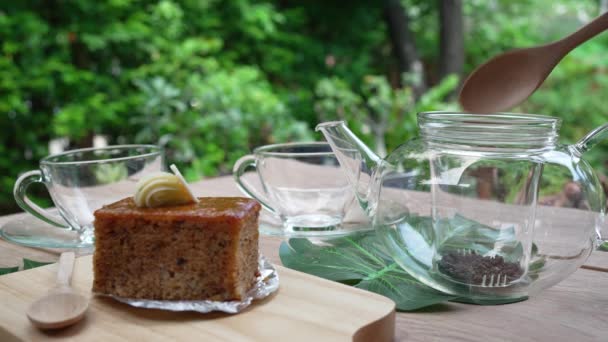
(206, 250)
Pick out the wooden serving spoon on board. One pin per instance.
(62, 306)
(508, 79)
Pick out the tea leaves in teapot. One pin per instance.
(360, 260)
(458, 233)
(463, 233)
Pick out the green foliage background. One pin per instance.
(211, 79)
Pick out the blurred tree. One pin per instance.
(383, 116)
(212, 79)
(451, 38)
(603, 6)
(404, 46)
(156, 72)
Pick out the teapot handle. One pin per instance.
(582, 146)
(591, 139)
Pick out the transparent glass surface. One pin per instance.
(487, 207)
(301, 183)
(80, 182)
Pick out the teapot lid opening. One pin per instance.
(512, 131)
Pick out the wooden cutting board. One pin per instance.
(305, 308)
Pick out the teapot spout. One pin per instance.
(357, 160)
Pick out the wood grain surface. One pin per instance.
(304, 308)
(574, 310)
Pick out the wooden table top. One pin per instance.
(574, 310)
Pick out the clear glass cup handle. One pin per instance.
(19, 192)
(238, 170)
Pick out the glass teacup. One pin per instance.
(79, 182)
(302, 185)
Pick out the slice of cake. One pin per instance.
(194, 251)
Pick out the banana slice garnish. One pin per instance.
(163, 189)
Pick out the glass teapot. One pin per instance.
(487, 207)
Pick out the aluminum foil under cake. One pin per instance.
(266, 283)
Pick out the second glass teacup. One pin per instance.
(302, 184)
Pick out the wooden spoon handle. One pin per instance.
(66, 266)
(593, 28)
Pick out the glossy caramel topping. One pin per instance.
(209, 208)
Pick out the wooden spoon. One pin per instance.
(62, 306)
(508, 79)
